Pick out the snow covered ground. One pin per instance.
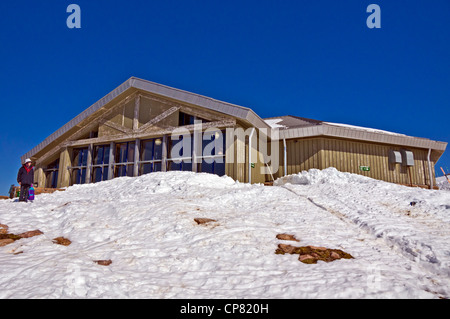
(146, 227)
(443, 183)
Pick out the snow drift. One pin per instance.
(146, 227)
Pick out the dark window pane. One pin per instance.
(147, 150)
(219, 168)
(121, 152)
(146, 168)
(120, 170)
(213, 166)
(207, 167)
(130, 157)
(54, 179)
(105, 173)
(84, 157)
(79, 176)
(174, 166)
(106, 150)
(130, 170)
(186, 166)
(157, 167)
(98, 155)
(98, 174)
(157, 151)
(101, 154)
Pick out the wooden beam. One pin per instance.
(144, 135)
(117, 127)
(158, 118)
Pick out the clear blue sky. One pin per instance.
(315, 59)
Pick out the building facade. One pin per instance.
(143, 127)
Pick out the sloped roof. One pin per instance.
(297, 127)
(245, 114)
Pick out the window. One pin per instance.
(79, 165)
(187, 119)
(51, 174)
(180, 153)
(100, 163)
(213, 153)
(124, 165)
(150, 156)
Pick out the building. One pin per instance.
(142, 127)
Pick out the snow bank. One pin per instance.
(443, 183)
(413, 221)
(145, 226)
(316, 176)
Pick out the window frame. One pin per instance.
(153, 161)
(103, 165)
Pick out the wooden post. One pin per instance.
(39, 177)
(111, 161)
(137, 103)
(136, 157)
(197, 145)
(64, 173)
(165, 145)
(89, 164)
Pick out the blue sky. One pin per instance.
(315, 59)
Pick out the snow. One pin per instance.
(274, 123)
(367, 129)
(443, 183)
(145, 226)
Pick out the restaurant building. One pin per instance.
(142, 127)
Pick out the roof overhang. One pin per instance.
(355, 133)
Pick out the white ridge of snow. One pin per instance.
(146, 226)
(273, 123)
(367, 129)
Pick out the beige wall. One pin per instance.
(348, 156)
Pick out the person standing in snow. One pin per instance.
(25, 178)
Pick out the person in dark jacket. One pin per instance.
(25, 178)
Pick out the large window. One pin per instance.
(180, 153)
(79, 165)
(124, 164)
(51, 174)
(100, 163)
(150, 156)
(213, 152)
